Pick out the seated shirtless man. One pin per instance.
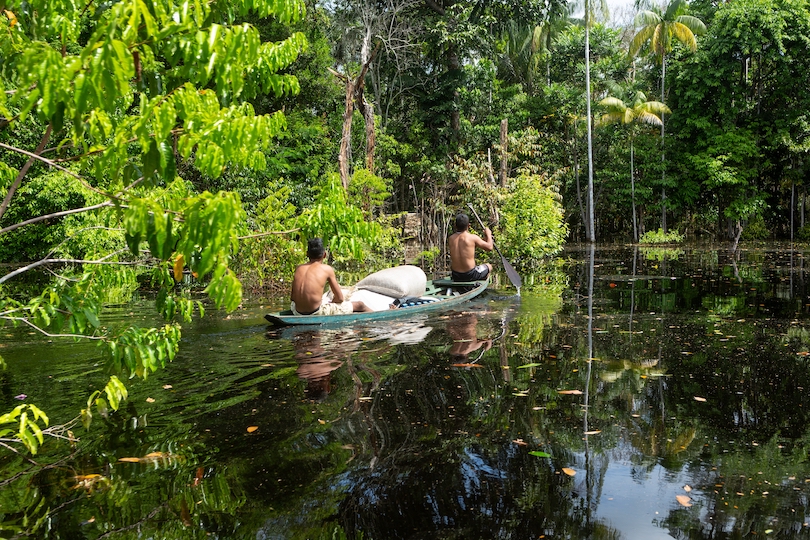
(462, 246)
(307, 297)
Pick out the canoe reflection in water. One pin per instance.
(321, 351)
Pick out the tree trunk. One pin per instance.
(591, 231)
(504, 140)
(633, 194)
(344, 156)
(663, 158)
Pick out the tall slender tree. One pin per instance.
(588, 18)
(641, 111)
(660, 29)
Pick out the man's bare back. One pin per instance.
(462, 249)
(309, 280)
(461, 245)
(308, 284)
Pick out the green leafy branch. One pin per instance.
(28, 432)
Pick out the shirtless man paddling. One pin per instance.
(307, 296)
(462, 246)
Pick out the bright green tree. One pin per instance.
(660, 30)
(133, 95)
(641, 111)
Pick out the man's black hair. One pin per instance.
(315, 249)
(462, 222)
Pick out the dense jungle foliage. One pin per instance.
(151, 143)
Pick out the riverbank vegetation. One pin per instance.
(183, 146)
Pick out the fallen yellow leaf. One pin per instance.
(130, 459)
(251, 429)
(167, 386)
(150, 400)
(569, 472)
(573, 392)
(684, 500)
(593, 432)
(687, 488)
(698, 398)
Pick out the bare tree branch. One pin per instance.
(55, 215)
(259, 235)
(24, 170)
(47, 334)
(64, 261)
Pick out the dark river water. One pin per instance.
(626, 393)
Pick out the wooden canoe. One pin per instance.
(439, 294)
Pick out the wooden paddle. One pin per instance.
(513, 276)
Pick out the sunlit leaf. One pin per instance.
(251, 429)
(593, 432)
(687, 488)
(540, 454)
(533, 364)
(130, 459)
(684, 500)
(698, 398)
(570, 392)
(569, 472)
(468, 365)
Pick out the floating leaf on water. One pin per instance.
(570, 392)
(539, 454)
(520, 442)
(569, 472)
(593, 432)
(687, 488)
(698, 398)
(251, 429)
(684, 500)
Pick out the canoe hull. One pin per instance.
(437, 289)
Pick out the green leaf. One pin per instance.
(540, 454)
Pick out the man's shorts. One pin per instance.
(476, 274)
(329, 308)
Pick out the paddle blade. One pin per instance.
(511, 273)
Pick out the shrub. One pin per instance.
(660, 237)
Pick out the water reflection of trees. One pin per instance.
(402, 443)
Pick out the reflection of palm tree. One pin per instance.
(641, 111)
(658, 29)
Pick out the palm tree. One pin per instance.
(658, 29)
(641, 111)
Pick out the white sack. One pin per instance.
(396, 282)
